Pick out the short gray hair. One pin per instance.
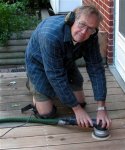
(87, 10)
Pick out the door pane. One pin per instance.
(122, 17)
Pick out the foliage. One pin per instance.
(29, 4)
(13, 18)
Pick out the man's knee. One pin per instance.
(45, 109)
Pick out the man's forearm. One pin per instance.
(101, 103)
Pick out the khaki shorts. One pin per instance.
(41, 97)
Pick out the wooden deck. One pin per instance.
(48, 137)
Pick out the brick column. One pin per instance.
(106, 7)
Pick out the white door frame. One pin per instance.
(119, 56)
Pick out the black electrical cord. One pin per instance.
(22, 125)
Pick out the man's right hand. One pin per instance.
(83, 119)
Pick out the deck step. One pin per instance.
(14, 52)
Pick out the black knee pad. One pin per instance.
(52, 114)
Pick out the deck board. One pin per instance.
(49, 137)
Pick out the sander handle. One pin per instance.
(72, 121)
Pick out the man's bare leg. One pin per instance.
(43, 107)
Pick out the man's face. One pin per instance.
(84, 27)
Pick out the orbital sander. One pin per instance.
(98, 133)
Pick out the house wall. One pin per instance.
(106, 8)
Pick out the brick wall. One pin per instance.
(106, 7)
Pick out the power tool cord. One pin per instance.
(22, 125)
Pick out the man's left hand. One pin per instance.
(102, 116)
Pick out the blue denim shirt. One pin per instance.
(49, 53)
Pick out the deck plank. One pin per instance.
(48, 137)
(56, 139)
(102, 145)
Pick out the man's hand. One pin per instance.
(83, 119)
(102, 116)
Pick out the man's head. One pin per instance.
(87, 20)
